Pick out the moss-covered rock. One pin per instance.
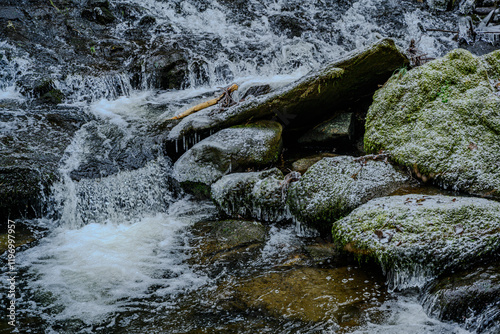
(335, 186)
(317, 94)
(229, 150)
(254, 195)
(443, 120)
(416, 237)
(471, 297)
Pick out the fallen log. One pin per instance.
(208, 103)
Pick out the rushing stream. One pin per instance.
(116, 246)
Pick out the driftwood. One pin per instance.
(224, 96)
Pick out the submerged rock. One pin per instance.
(416, 237)
(229, 150)
(470, 297)
(255, 195)
(443, 120)
(319, 93)
(226, 241)
(312, 294)
(333, 187)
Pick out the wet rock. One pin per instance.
(254, 195)
(333, 187)
(323, 253)
(168, 68)
(442, 119)
(316, 95)
(469, 297)
(227, 241)
(441, 5)
(99, 12)
(312, 294)
(32, 145)
(229, 150)
(338, 127)
(44, 90)
(302, 165)
(416, 237)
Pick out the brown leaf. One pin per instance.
(379, 233)
(472, 146)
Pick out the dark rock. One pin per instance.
(11, 13)
(334, 129)
(469, 297)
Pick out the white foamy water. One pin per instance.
(93, 271)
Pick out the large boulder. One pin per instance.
(415, 238)
(443, 120)
(318, 94)
(257, 195)
(333, 187)
(229, 150)
(471, 297)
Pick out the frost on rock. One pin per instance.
(443, 120)
(255, 195)
(417, 237)
(227, 151)
(333, 187)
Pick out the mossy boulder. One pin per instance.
(333, 187)
(416, 238)
(253, 195)
(316, 95)
(443, 120)
(470, 297)
(338, 128)
(229, 150)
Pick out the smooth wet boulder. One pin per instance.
(312, 294)
(229, 150)
(254, 195)
(442, 120)
(417, 237)
(470, 297)
(316, 95)
(333, 187)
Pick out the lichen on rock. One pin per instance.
(443, 120)
(333, 187)
(417, 237)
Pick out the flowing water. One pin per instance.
(115, 247)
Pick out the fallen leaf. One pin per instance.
(472, 146)
(459, 229)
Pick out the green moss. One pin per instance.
(442, 120)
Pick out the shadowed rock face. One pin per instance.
(416, 238)
(443, 120)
